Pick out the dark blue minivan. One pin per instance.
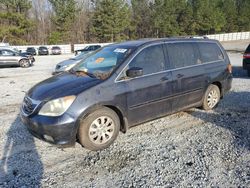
(125, 84)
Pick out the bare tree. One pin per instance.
(42, 14)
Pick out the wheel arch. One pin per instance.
(219, 85)
(24, 58)
(122, 118)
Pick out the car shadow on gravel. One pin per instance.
(233, 114)
(20, 165)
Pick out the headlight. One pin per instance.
(57, 107)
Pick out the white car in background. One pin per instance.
(12, 57)
(66, 65)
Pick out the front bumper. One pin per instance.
(57, 72)
(55, 130)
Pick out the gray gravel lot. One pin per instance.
(187, 149)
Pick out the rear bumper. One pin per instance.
(55, 130)
(227, 84)
(246, 64)
(56, 53)
(43, 53)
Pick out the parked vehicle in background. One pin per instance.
(2, 44)
(56, 50)
(246, 60)
(87, 49)
(31, 50)
(125, 84)
(11, 57)
(66, 65)
(43, 50)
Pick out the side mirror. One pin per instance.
(134, 72)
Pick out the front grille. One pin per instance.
(29, 105)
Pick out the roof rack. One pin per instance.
(198, 37)
(192, 37)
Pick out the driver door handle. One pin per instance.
(165, 78)
(179, 75)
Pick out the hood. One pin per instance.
(61, 85)
(25, 54)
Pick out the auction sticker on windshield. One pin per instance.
(120, 50)
(99, 60)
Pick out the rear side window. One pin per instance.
(182, 54)
(210, 52)
(150, 59)
(7, 53)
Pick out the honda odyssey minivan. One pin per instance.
(125, 84)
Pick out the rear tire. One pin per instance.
(99, 129)
(211, 97)
(24, 63)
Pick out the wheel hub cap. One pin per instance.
(212, 98)
(101, 130)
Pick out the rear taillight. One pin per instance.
(246, 56)
(230, 68)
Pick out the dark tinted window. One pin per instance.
(210, 52)
(43, 48)
(56, 48)
(182, 54)
(151, 60)
(7, 53)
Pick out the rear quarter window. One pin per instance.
(210, 52)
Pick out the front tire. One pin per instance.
(99, 129)
(211, 97)
(24, 63)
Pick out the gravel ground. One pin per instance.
(187, 149)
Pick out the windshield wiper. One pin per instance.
(81, 72)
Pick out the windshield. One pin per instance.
(81, 55)
(101, 63)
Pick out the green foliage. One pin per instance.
(172, 17)
(116, 20)
(14, 22)
(18, 6)
(63, 18)
(110, 20)
(55, 38)
(229, 10)
(207, 16)
(141, 19)
(243, 7)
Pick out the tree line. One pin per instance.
(85, 21)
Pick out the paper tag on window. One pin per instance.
(99, 60)
(120, 50)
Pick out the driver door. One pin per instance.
(148, 96)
